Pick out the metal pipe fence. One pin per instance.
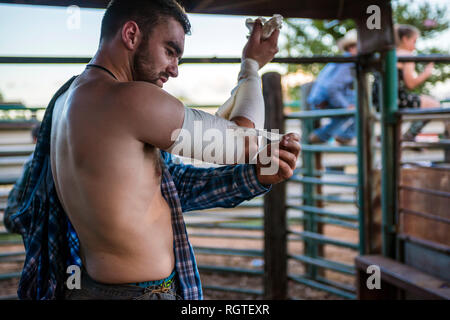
(312, 216)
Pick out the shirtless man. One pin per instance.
(107, 129)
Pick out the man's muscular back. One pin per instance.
(107, 175)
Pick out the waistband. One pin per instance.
(166, 281)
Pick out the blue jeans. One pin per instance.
(341, 127)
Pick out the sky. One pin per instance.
(51, 31)
(59, 31)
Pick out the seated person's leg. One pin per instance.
(324, 133)
(426, 102)
(346, 132)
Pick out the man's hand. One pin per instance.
(262, 51)
(285, 157)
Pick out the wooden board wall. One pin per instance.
(426, 215)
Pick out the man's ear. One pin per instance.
(131, 35)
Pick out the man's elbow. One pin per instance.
(243, 122)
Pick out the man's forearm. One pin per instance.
(246, 98)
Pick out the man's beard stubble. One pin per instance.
(142, 66)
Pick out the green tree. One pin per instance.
(1, 97)
(306, 37)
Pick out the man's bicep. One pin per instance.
(157, 119)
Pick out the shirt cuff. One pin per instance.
(255, 186)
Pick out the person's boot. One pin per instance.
(414, 130)
(342, 141)
(314, 138)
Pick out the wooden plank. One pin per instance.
(426, 258)
(405, 277)
(424, 203)
(433, 204)
(426, 178)
(275, 228)
(424, 228)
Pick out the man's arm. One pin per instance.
(228, 186)
(159, 118)
(246, 99)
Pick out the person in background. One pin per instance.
(334, 89)
(408, 79)
(13, 202)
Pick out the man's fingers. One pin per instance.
(273, 39)
(291, 143)
(256, 32)
(289, 158)
(292, 136)
(285, 171)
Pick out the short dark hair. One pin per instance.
(146, 14)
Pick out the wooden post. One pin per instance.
(275, 229)
(366, 180)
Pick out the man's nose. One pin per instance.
(172, 69)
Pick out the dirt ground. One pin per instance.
(295, 290)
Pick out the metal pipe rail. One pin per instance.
(228, 251)
(331, 199)
(325, 264)
(326, 220)
(326, 213)
(424, 114)
(224, 226)
(236, 290)
(8, 276)
(328, 149)
(323, 182)
(324, 239)
(319, 285)
(301, 171)
(323, 113)
(211, 60)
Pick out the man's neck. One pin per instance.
(114, 60)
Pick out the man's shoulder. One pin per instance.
(142, 94)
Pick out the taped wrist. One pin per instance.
(249, 68)
(246, 98)
(208, 138)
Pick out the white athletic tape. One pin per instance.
(246, 98)
(276, 22)
(213, 139)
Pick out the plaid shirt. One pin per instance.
(52, 244)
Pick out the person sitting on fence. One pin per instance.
(13, 202)
(408, 79)
(333, 88)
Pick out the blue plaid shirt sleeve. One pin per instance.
(204, 188)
